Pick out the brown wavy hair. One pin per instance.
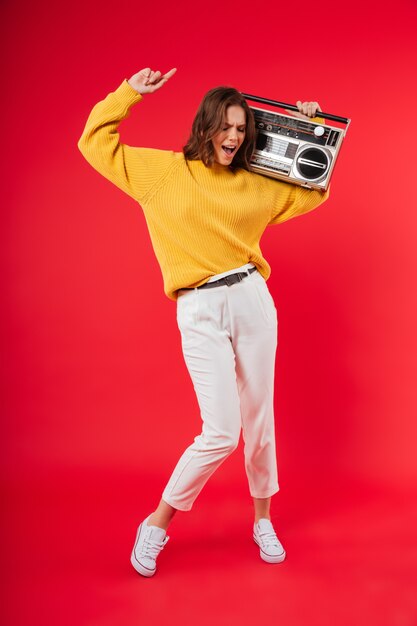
(209, 120)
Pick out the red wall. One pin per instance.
(92, 366)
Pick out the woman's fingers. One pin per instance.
(145, 73)
(170, 73)
(153, 77)
(158, 79)
(148, 81)
(308, 108)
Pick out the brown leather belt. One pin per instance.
(229, 280)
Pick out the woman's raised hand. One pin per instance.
(306, 110)
(148, 81)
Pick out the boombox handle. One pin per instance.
(292, 107)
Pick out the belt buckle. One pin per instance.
(232, 279)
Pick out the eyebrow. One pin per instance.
(227, 124)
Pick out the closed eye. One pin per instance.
(241, 130)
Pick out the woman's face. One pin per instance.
(228, 141)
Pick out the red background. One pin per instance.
(97, 405)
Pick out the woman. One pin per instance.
(206, 213)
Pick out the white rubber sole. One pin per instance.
(277, 558)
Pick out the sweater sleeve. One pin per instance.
(289, 200)
(134, 170)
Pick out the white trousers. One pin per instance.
(229, 340)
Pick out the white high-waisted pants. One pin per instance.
(229, 340)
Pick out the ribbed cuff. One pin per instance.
(127, 94)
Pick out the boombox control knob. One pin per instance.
(319, 131)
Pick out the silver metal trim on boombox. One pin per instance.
(299, 151)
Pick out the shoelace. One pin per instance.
(152, 548)
(269, 539)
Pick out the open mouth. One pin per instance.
(229, 150)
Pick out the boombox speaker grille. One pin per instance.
(312, 163)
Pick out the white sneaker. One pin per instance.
(264, 535)
(150, 540)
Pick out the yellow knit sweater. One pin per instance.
(202, 220)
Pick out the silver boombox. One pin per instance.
(293, 149)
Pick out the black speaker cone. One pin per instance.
(312, 163)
